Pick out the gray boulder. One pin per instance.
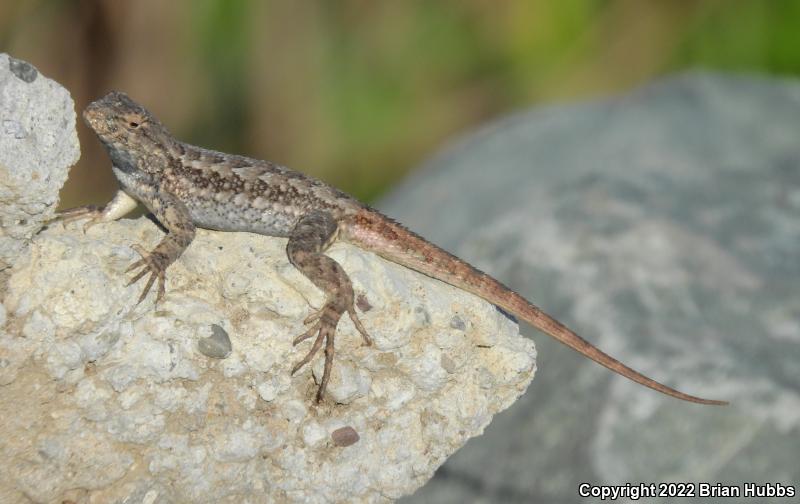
(663, 226)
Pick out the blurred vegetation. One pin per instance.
(358, 92)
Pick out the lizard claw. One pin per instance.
(359, 327)
(316, 329)
(306, 335)
(153, 263)
(311, 318)
(324, 327)
(325, 330)
(316, 316)
(93, 212)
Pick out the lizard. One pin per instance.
(186, 187)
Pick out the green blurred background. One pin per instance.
(359, 92)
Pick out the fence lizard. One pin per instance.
(185, 186)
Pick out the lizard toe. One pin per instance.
(152, 264)
(314, 348)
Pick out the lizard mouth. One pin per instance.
(90, 115)
(95, 112)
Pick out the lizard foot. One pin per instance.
(324, 327)
(154, 263)
(93, 212)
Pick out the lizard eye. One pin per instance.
(134, 121)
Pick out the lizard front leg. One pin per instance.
(120, 206)
(169, 211)
(175, 217)
(312, 235)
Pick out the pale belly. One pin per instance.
(230, 217)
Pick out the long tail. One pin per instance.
(375, 232)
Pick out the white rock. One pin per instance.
(38, 144)
(102, 394)
(150, 374)
(313, 434)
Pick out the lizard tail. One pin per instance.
(372, 231)
(552, 327)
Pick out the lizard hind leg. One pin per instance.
(307, 242)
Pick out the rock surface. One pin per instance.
(103, 400)
(664, 226)
(38, 145)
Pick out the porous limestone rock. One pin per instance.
(38, 144)
(117, 399)
(104, 400)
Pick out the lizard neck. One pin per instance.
(122, 159)
(131, 162)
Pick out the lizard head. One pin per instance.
(125, 127)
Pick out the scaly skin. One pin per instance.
(186, 186)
